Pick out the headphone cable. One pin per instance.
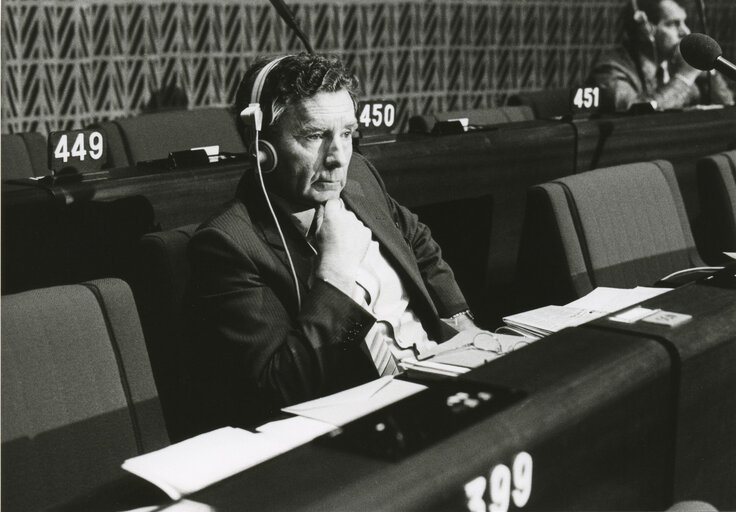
(278, 226)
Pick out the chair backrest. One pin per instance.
(159, 289)
(23, 155)
(477, 117)
(716, 225)
(153, 136)
(78, 396)
(619, 226)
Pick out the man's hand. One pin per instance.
(342, 241)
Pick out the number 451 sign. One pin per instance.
(80, 150)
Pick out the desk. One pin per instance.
(681, 137)
(615, 418)
(609, 419)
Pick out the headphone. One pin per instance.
(265, 155)
(252, 117)
(642, 20)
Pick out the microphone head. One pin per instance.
(700, 51)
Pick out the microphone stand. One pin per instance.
(709, 82)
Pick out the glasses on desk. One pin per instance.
(490, 342)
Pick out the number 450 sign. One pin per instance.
(376, 116)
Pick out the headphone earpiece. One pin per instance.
(266, 155)
(642, 20)
(252, 117)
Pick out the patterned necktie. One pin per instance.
(381, 354)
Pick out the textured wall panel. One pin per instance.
(68, 63)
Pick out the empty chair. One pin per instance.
(24, 155)
(159, 289)
(78, 396)
(153, 136)
(619, 226)
(716, 225)
(477, 117)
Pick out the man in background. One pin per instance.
(649, 68)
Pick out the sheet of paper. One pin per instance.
(613, 299)
(346, 406)
(195, 463)
(295, 431)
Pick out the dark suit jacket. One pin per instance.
(252, 350)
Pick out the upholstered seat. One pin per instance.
(159, 288)
(619, 226)
(153, 136)
(78, 396)
(23, 155)
(717, 190)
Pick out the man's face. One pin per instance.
(313, 140)
(670, 29)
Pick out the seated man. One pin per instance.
(649, 68)
(372, 284)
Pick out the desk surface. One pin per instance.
(600, 420)
(608, 419)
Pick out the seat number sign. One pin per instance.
(376, 116)
(79, 150)
(586, 98)
(503, 486)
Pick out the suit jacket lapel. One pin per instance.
(301, 253)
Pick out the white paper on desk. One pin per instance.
(548, 319)
(295, 431)
(343, 407)
(613, 299)
(195, 463)
(178, 506)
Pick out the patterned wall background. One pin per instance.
(67, 63)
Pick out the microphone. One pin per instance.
(702, 52)
(290, 21)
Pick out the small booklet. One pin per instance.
(600, 302)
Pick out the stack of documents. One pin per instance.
(600, 302)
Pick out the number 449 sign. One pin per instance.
(78, 150)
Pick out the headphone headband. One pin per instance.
(260, 81)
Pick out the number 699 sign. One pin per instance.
(81, 150)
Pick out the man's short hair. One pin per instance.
(294, 78)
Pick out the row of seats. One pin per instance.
(619, 226)
(152, 136)
(131, 140)
(78, 378)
